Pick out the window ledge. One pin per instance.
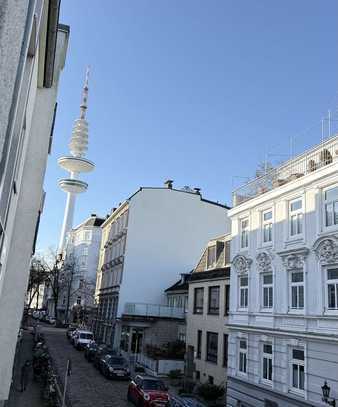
(266, 310)
(210, 361)
(294, 240)
(296, 392)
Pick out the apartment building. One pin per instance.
(146, 242)
(33, 48)
(207, 333)
(283, 343)
(81, 254)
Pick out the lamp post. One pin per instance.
(326, 395)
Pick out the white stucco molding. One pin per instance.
(294, 259)
(326, 249)
(264, 262)
(241, 263)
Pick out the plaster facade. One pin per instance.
(207, 362)
(147, 242)
(33, 59)
(283, 322)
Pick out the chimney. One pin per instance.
(197, 191)
(169, 183)
(93, 215)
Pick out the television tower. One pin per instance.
(75, 164)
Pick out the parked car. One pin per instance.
(90, 351)
(50, 320)
(114, 367)
(188, 400)
(70, 331)
(100, 352)
(82, 338)
(148, 391)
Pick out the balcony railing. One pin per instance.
(308, 162)
(153, 310)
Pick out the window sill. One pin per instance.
(211, 361)
(267, 383)
(297, 392)
(267, 245)
(294, 240)
(296, 311)
(266, 310)
(241, 374)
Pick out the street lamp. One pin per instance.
(326, 395)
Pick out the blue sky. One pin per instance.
(196, 91)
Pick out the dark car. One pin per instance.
(101, 351)
(114, 367)
(90, 351)
(148, 391)
(188, 400)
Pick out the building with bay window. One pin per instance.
(146, 243)
(283, 323)
(208, 307)
(81, 255)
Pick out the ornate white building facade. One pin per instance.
(283, 321)
(81, 254)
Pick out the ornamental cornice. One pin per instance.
(241, 263)
(326, 249)
(294, 259)
(264, 262)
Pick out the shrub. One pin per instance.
(210, 392)
(175, 374)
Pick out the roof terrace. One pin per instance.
(312, 160)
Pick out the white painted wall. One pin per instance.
(85, 254)
(167, 231)
(23, 212)
(315, 327)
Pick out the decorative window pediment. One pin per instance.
(264, 262)
(294, 259)
(241, 263)
(326, 249)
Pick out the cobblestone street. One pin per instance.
(86, 386)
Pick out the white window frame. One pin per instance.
(268, 287)
(269, 357)
(269, 224)
(334, 226)
(242, 351)
(296, 213)
(331, 282)
(296, 284)
(87, 233)
(244, 288)
(300, 363)
(245, 231)
(211, 265)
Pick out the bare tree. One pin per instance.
(37, 277)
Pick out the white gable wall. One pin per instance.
(167, 231)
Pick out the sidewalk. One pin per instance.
(30, 397)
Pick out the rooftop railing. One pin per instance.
(153, 310)
(306, 163)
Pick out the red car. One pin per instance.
(147, 391)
